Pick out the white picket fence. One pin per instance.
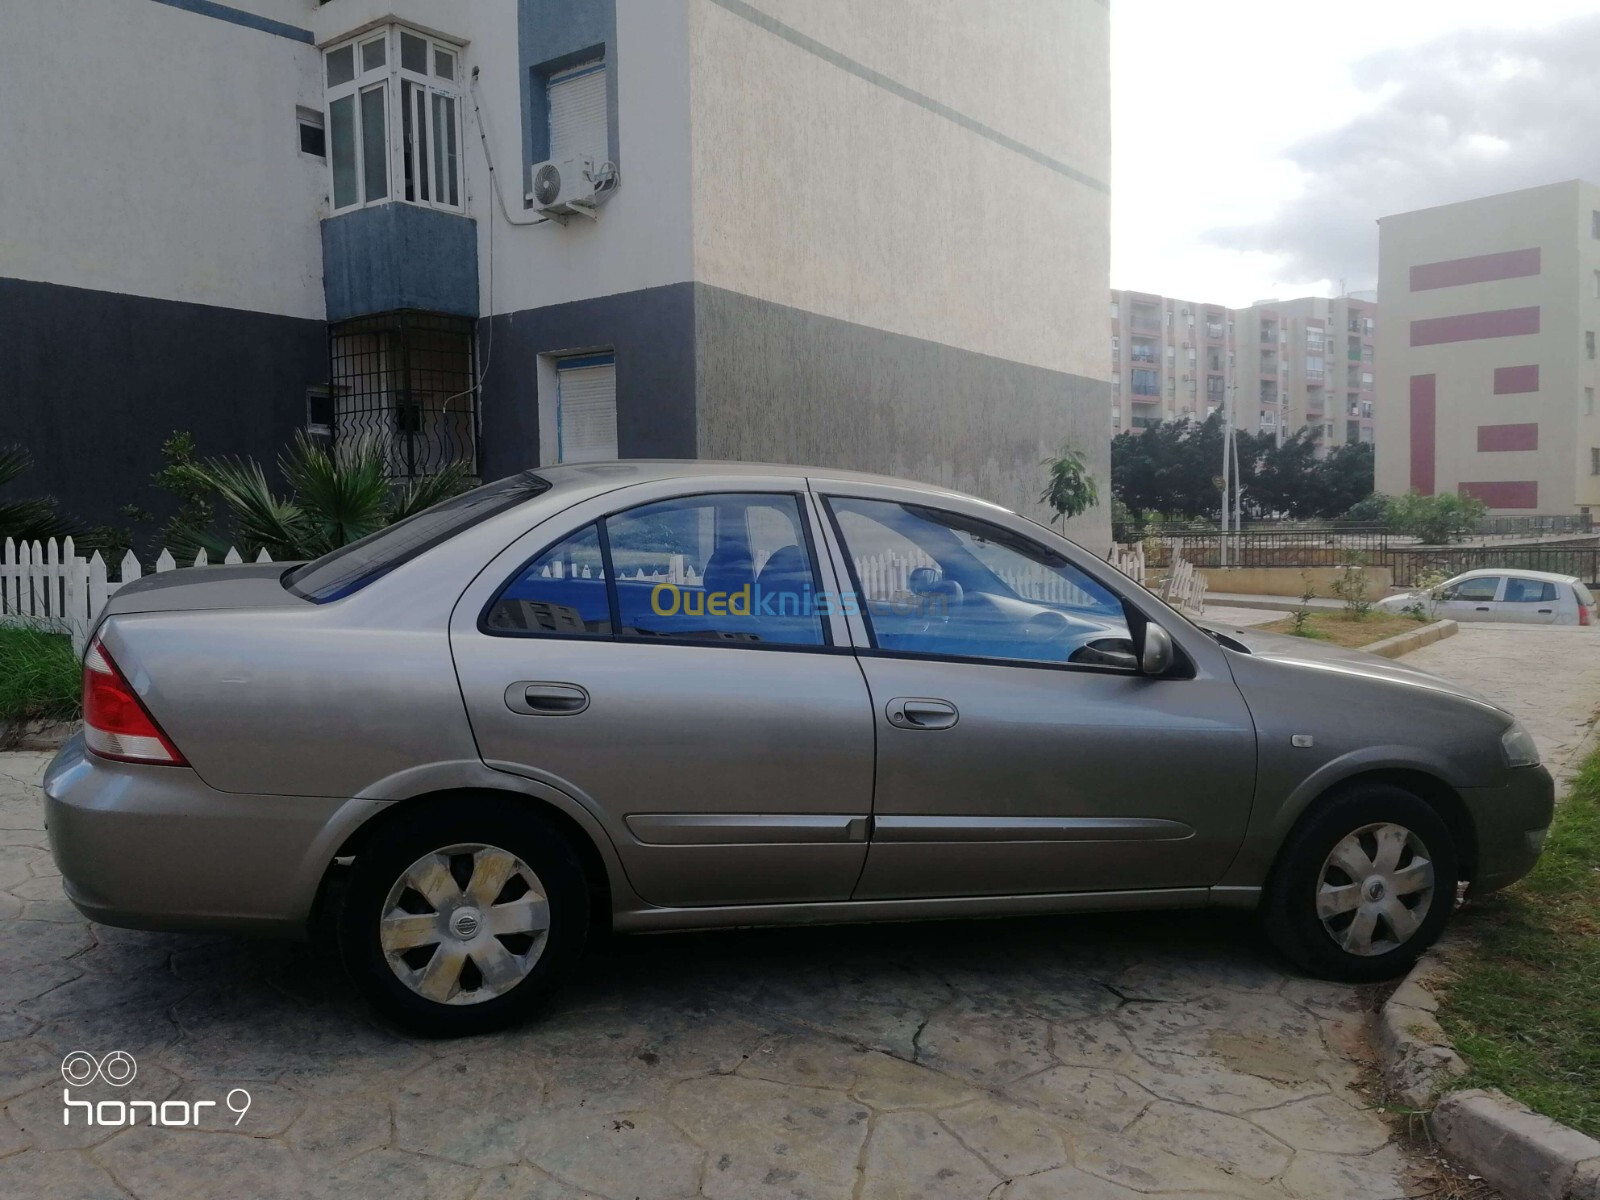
(1129, 560)
(1183, 587)
(50, 585)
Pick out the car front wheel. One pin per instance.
(1363, 885)
(459, 923)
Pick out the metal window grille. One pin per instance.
(407, 379)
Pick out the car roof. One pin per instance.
(623, 472)
(1519, 573)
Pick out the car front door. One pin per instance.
(1019, 748)
(1527, 601)
(660, 658)
(1471, 599)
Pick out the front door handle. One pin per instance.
(915, 712)
(1483, 608)
(536, 699)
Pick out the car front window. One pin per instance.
(937, 582)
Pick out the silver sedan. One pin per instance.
(660, 696)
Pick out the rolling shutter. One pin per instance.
(586, 409)
(578, 114)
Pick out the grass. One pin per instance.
(1339, 629)
(40, 676)
(1525, 1012)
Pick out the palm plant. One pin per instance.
(35, 518)
(336, 496)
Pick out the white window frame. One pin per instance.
(389, 78)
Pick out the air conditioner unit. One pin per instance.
(563, 188)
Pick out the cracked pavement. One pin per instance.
(1085, 1057)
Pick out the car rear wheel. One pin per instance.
(1363, 885)
(462, 922)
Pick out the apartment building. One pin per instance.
(518, 232)
(1488, 349)
(1287, 364)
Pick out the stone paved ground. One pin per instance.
(1549, 675)
(1091, 1058)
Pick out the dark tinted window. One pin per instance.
(1482, 588)
(352, 567)
(561, 591)
(936, 582)
(1529, 591)
(728, 568)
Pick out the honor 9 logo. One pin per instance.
(118, 1069)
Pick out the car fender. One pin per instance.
(474, 774)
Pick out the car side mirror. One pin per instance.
(923, 579)
(1157, 656)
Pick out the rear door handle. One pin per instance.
(1547, 611)
(917, 712)
(1482, 608)
(536, 699)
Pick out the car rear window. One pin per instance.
(350, 568)
(1585, 596)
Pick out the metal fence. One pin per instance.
(1409, 564)
(407, 379)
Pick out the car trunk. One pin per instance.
(253, 585)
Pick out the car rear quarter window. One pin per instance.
(350, 568)
(562, 591)
(1529, 591)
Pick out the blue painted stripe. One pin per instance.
(861, 71)
(235, 16)
(585, 360)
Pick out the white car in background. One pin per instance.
(1499, 594)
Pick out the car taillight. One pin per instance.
(1583, 614)
(116, 723)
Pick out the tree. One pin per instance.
(1435, 520)
(1175, 468)
(1071, 489)
(336, 496)
(31, 519)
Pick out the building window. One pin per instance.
(1146, 382)
(577, 106)
(407, 379)
(586, 408)
(1594, 460)
(1116, 310)
(314, 138)
(394, 106)
(1588, 343)
(1588, 402)
(1594, 223)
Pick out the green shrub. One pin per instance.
(40, 675)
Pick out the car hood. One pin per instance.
(249, 585)
(1306, 654)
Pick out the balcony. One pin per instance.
(1143, 422)
(1214, 331)
(1269, 336)
(1314, 375)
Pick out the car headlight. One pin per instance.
(1519, 747)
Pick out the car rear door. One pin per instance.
(1019, 751)
(623, 654)
(1526, 601)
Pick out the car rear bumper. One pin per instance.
(151, 847)
(1510, 823)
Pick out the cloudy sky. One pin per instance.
(1258, 141)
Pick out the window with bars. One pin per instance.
(406, 379)
(394, 120)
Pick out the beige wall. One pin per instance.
(902, 218)
(1556, 220)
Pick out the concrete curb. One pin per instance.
(36, 735)
(1525, 1155)
(1415, 639)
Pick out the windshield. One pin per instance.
(350, 568)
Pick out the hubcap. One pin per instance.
(464, 924)
(1376, 889)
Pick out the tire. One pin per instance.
(1330, 881)
(486, 865)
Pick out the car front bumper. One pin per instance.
(1510, 823)
(153, 847)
